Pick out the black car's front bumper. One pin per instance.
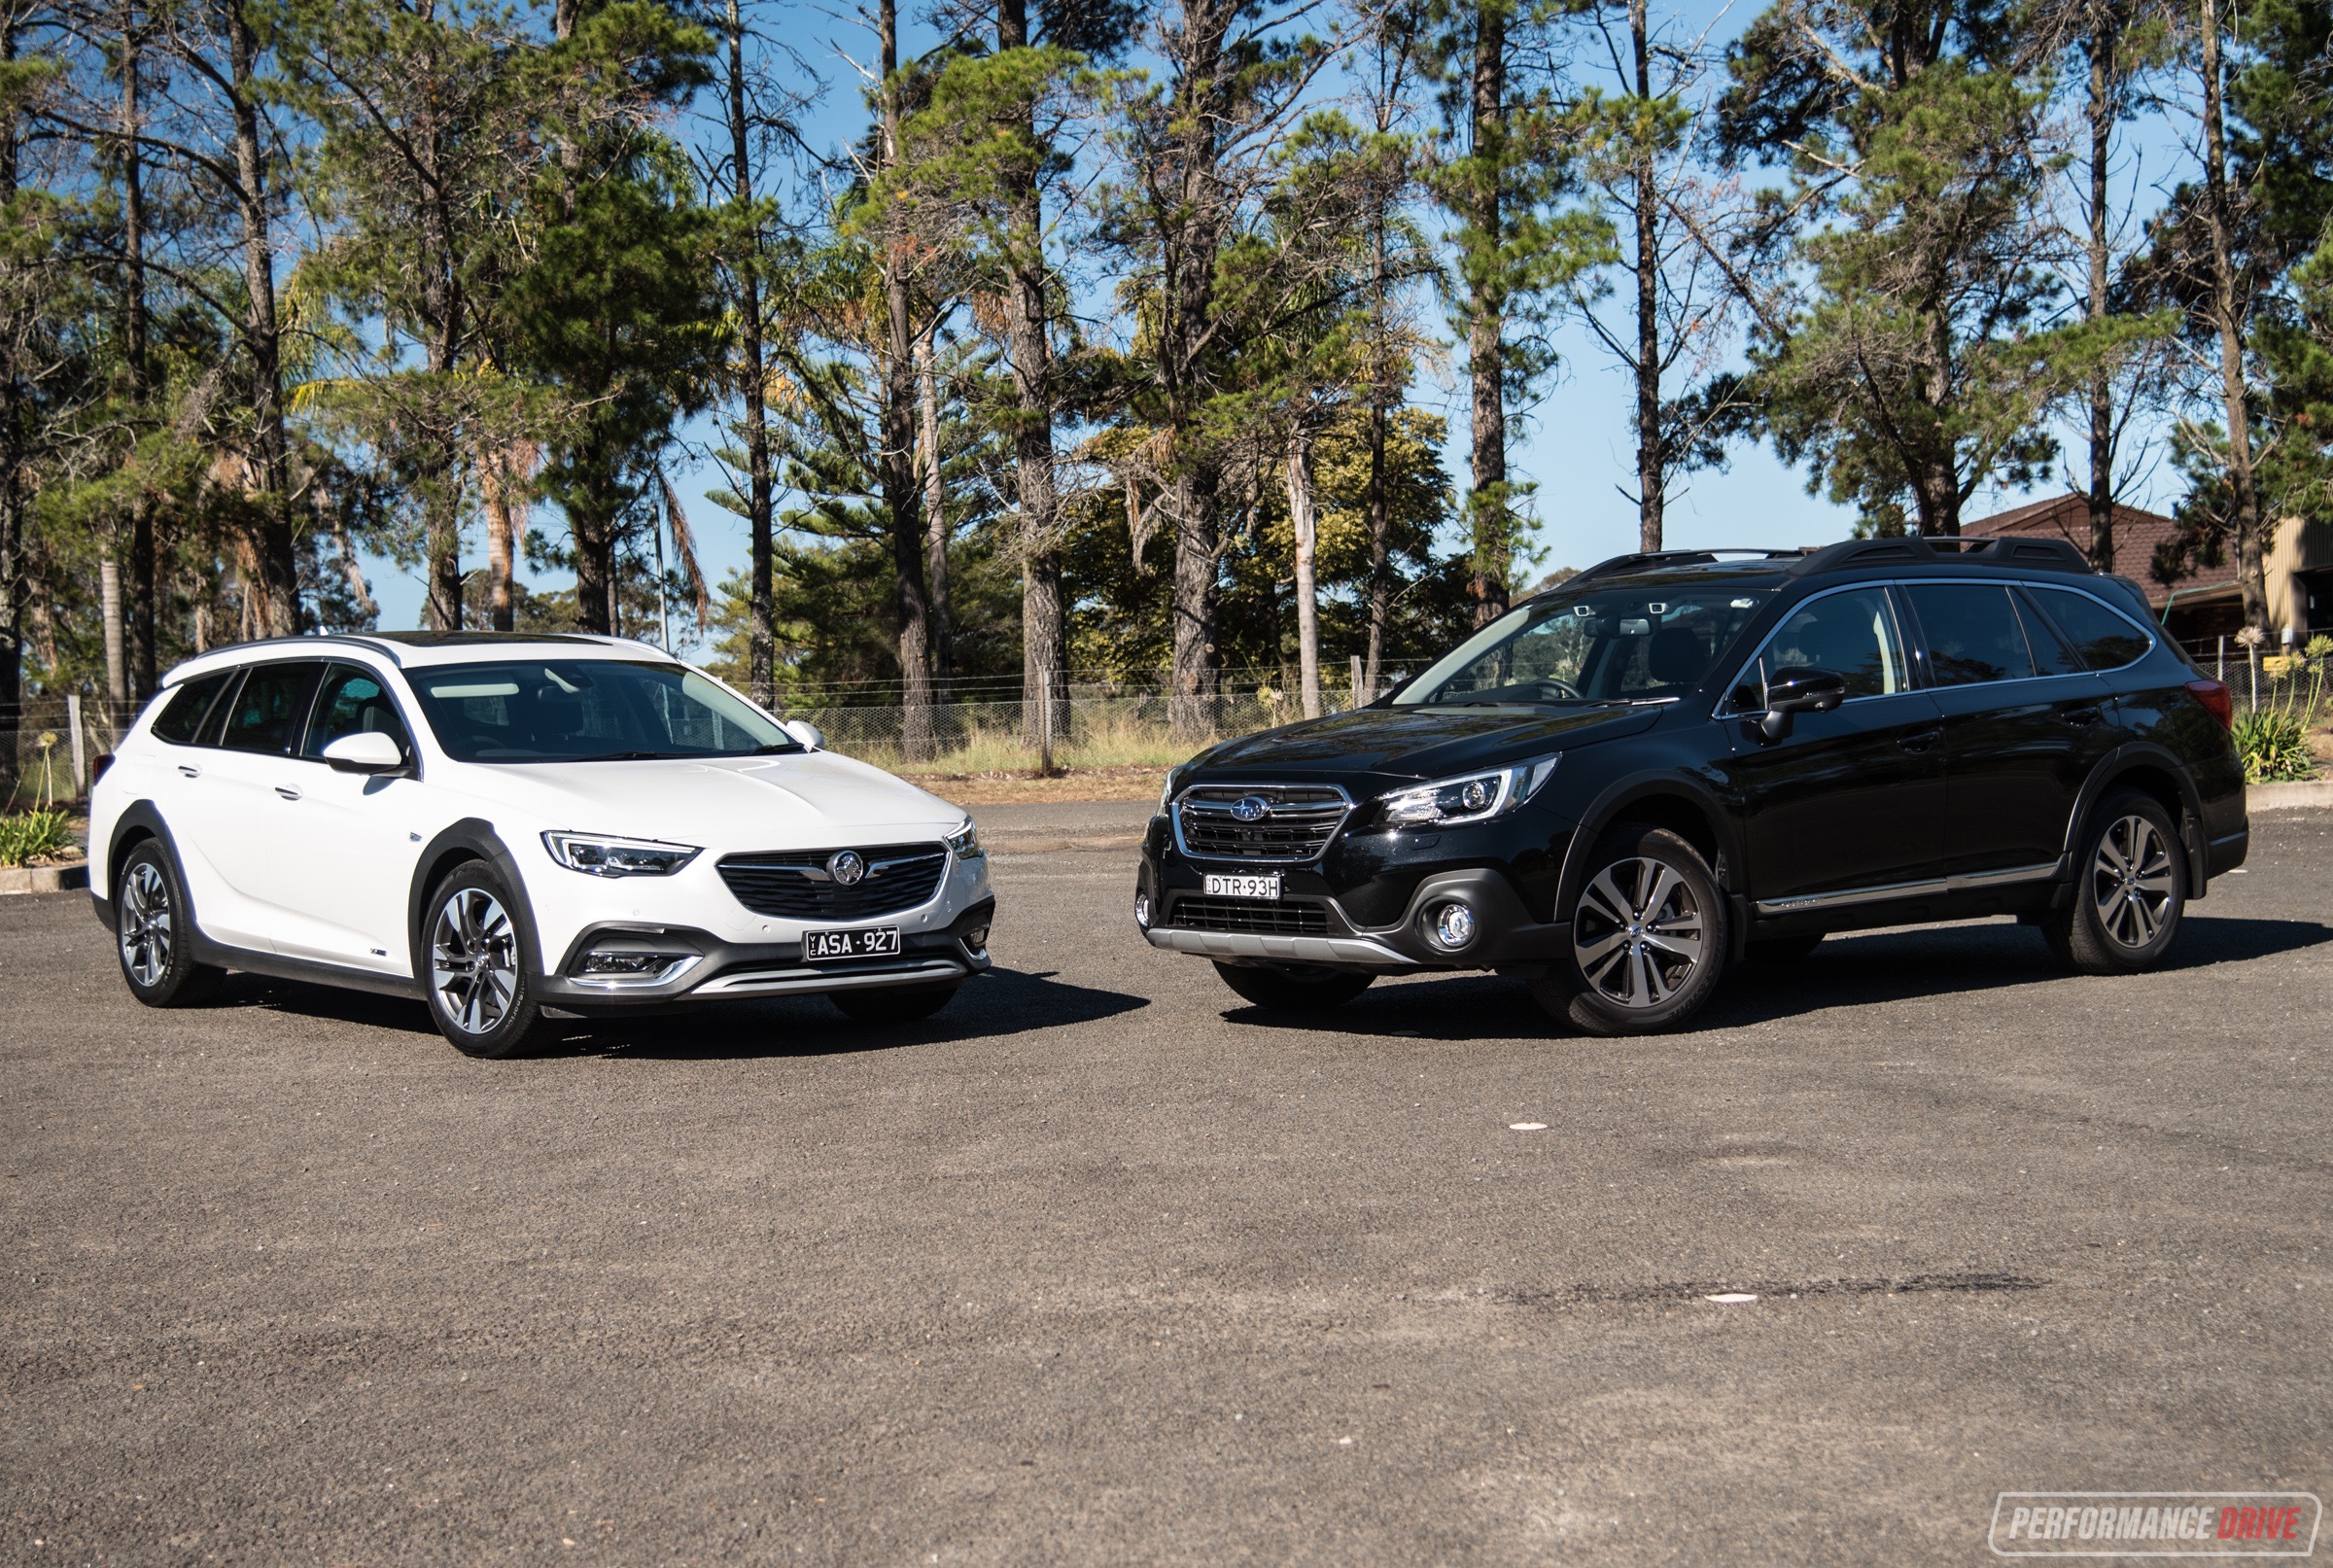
(1368, 908)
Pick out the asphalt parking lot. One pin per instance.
(1102, 1266)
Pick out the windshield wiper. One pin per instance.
(629, 757)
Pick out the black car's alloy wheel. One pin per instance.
(478, 964)
(1648, 936)
(154, 936)
(2130, 892)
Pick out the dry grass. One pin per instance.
(1067, 787)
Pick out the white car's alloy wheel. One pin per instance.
(146, 925)
(473, 960)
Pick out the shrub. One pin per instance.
(34, 835)
(2274, 747)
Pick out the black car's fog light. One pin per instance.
(1450, 925)
(1142, 912)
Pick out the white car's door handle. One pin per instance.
(189, 772)
(287, 791)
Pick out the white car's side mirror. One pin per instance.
(365, 751)
(803, 730)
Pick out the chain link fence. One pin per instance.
(48, 745)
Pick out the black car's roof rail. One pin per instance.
(2002, 549)
(1659, 558)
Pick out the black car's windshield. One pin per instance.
(587, 710)
(1620, 644)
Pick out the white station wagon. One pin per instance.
(511, 827)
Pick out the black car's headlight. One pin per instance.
(964, 843)
(601, 855)
(1167, 793)
(1470, 798)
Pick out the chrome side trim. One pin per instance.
(1279, 948)
(778, 982)
(1960, 883)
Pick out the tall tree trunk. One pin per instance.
(495, 489)
(1651, 441)
(439, 478)
(2102, 107)
(591, 520)
(2251, 566)
(761, 628)
(137, 616)
(1381, 575)
(274, 542)
(1185, 317)
(14, 328)
(1044, 613)
(108, 612)
(935, 497)
(1304, 524)
(898, 463)
(1486, 324)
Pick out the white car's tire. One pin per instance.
(476, 965)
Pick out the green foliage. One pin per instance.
(2274, 747)
(35, 835)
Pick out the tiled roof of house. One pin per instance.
(2137, 534)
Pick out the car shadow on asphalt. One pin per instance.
(1847, 971)
(1001, 1002)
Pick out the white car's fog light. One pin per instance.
(613, 967)
(1450, 927)
(976, 940)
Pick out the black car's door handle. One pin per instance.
(2083, 715)
(1920, 740)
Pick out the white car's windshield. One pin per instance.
(587, 710)
(1601, 645)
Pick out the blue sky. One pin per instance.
(1576, 444)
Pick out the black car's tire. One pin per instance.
(894, 1004)
(476, 966)
(153, 933)
(1295, 988)
(1648, 936)
(1780, 951)
(2129, 889)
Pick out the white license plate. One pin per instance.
(1244, 887)
(874, 942)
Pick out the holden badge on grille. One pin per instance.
(847, 867)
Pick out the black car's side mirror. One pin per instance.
(1797, 690)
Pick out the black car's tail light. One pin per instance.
(2218, 699)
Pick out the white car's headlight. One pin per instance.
(964, 843)
(601, 855)
(1471, 797)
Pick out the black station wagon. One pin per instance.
(1680, 760)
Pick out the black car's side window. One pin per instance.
(2052, 653)
(352, 702)
(264, 716)
(1852, 634)
(2106, 640)
(182, 720)
(1972, 633)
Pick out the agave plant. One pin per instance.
(2274, 747)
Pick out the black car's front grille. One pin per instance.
(795, 884)
(1297, 823)
(1251, 915)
